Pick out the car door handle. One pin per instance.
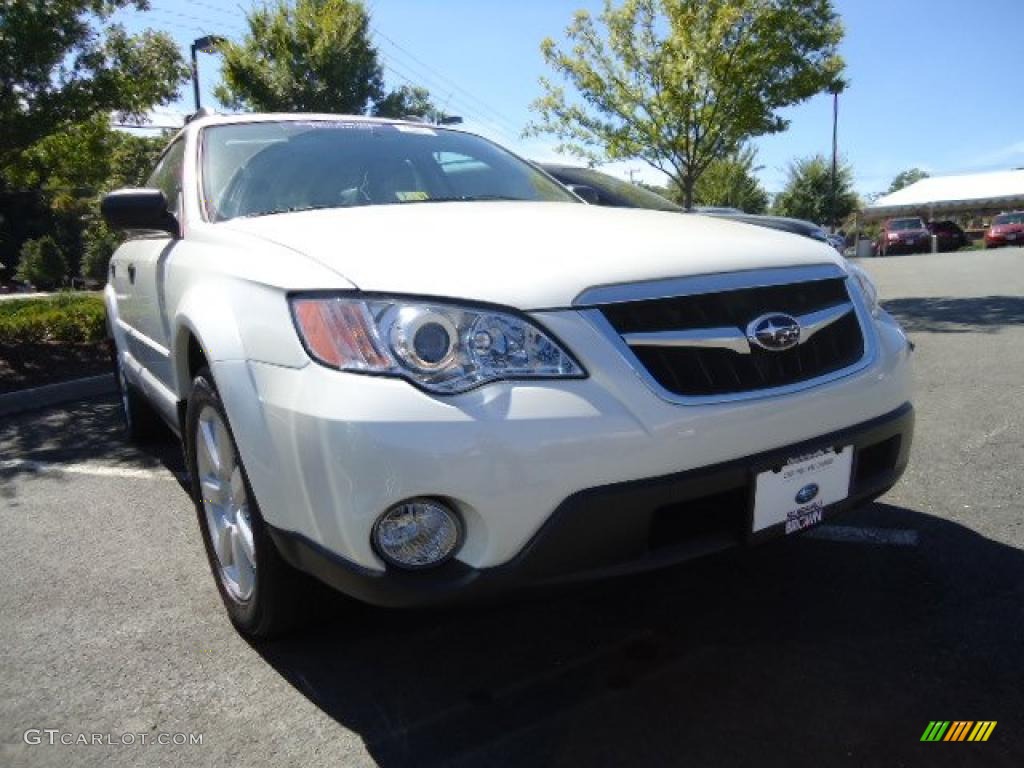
(131, 273)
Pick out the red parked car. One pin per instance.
(907, 235)
(1006, 229)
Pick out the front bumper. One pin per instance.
(327, 452)
(625, 527)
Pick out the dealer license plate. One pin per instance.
(797, 493)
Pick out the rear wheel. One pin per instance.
(260, 591)
(141, 421)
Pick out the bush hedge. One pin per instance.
(70, 318)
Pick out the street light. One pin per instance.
(206, 44)
(835, 89)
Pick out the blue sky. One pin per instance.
(933, 83)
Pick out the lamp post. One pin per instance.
(206, 44)
(835, 89)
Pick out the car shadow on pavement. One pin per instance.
(803, 652)
(42, 437)
(957, 315)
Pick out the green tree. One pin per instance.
(64, 63)
(679, 84)
(731, 181)
(808, 191)
(98, 245)
(407, 101)
(906, 178)
(313, 56)
(65, 173)
(42, 263)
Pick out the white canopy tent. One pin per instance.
(981, 193)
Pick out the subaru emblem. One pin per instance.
(807, 493)
(775, 332)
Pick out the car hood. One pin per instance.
(525, 255)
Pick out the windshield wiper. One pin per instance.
(451, 199)
(465, 199)
(295, 209)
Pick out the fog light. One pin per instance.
(417, 533)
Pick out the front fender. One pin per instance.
(240, 322)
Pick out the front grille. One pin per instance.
(697, 371)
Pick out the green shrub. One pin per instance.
(42, 263)
(65, 319)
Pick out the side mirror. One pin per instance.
(586, 194)
(139, 210)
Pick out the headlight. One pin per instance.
(867, 288)
(443, 348)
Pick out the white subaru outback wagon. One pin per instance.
(413, 366)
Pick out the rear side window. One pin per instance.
(167, 175)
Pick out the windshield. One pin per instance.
(898, 224)
(253, 169)
(1009, 218)
(613, 191)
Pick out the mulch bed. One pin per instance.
(32, 365)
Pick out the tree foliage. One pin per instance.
(808, 191)
(313, 56)
(731, 181)
(42, 263)
(407, 101)
(60, 179)
(62, 63)
(906, 178)
(679, 84)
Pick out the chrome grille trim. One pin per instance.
(674, 287)
(734, 338)
(722, 337)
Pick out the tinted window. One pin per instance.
(1009, 218)
(250, 169)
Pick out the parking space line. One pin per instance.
(895, 537)
(85, 468)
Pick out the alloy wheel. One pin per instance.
(225, 502)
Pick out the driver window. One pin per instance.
(167, 175)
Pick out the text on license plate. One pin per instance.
(797, 493)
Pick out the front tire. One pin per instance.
(261, 592)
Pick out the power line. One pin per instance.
(473, 107)
(482, 104)
(462, 107)
(233, 15)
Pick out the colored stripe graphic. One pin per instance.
(958, 730)
(935, 730)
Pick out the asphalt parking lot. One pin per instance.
(833, 649)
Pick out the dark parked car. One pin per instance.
(1006, 229)
(611, 191)
(951, 237)
(906, 235)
